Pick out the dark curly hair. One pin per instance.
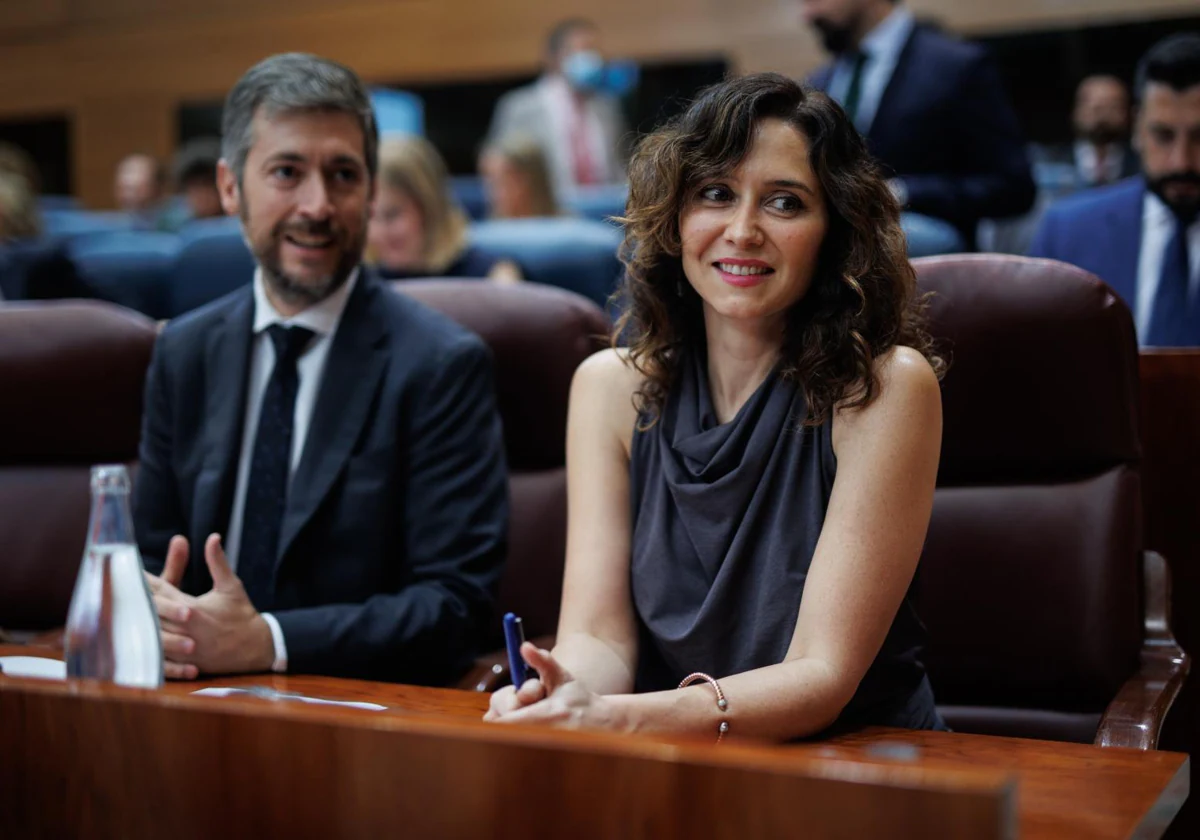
(863, 299)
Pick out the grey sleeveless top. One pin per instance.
(725, 522)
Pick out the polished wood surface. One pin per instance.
(142, 55)
(876, 783)
(1170, 417)
(1064, 791)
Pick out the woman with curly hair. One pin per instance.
(751, 479)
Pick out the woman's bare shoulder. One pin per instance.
(904, 368)
(611, 372)
(908, 388)
(604, 386)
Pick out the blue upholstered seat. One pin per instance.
(467, 190)
(599, 203)
(54, 203)
(132, 268)
(68, 223)
(213, 262)
(579, 255)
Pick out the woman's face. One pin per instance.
(750, 239)
(396, 233)
(508, 191)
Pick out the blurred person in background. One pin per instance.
(933, 111)
(1100, 153)
(517, 179)
(416, 229)
(1142, 235)
(31, 267)
(196, 178)
(19, 216)
(578, 125)
(16, 161)
(138, 190)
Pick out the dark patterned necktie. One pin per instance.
(854, 91)
(266, 493)
(1174, 320)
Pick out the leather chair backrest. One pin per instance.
(1029, 584)
(538, 336)
(72, 375)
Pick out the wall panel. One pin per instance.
(65, 56)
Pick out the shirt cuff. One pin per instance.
(279, 666)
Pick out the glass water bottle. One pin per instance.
(112, 626)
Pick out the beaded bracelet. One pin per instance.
(721, 704)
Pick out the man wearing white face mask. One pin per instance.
(569, 112)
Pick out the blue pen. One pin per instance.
(514, 635)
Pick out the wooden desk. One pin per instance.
(82, 759)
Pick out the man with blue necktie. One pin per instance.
(933, 111)
(1142, 235)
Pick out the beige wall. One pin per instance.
(119, 68)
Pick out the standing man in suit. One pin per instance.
(578, 126)
(1142, 235)
(322, 485)
(933, 110)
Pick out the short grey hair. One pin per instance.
(294, 82)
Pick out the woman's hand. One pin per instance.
(508, 699)
(556, 699)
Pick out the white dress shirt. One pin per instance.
(1158, 224)
(883, 46)
(1090, 172)
(323, 319)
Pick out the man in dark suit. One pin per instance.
(932, 108)
(1142, 235)
(343, 438)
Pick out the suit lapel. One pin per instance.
(227, 365)
(355, 364)
(1124, 235)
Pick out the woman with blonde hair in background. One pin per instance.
(517, 179)
(416, 229)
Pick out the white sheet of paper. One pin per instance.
(34, 666)
(226, 691)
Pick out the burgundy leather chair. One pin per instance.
(71, 374)
(538, 336)
(1045, 618)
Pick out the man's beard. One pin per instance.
(835, 38)
(300, 292)
(1101, 134)
(1186, 209)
